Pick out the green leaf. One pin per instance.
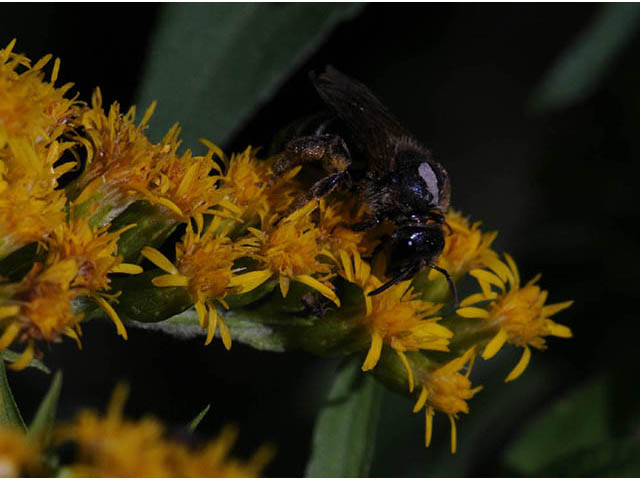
(578, 421)
(9, 412)
(211, 65)
(193, 424)
(612, 458)
(581, 67)
(42, 423)
(11, 356)
(345, 431)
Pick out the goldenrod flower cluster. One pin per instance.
(113, 446)
(241, 241)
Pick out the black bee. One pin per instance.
(376, 158)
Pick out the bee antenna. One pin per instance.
(452, 286)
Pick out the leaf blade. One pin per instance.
(344, 436)
(42, 423)
(231, 68)
(9, 412)
(193, 424)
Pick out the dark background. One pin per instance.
(558, 185)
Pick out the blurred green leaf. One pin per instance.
(193, 424)
(42, 423)
(345, 431)
(612, 458)
(577, 421)
(580, 68)
(9, 412)
(11, 356)
(211, 65)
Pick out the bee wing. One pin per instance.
(374, 130)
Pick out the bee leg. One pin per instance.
(329, 151)
(364, 225)
(409, 272)
(452, 286)
(319, 189)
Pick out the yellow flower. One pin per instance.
(405, 323)
(17, 455)
(204, 265)
(335, 220)
(447, 391)
(249, 185)
(289, 248)
(466, 246)
(94, 250)
(518, 313)
(396, 317)
(38, 308)
(112, 446)
(31, 110)
(124, 166)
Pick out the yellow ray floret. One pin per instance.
(518, 313)
(447, 391)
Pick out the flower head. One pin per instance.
(447, 391)
(517, 312)
(289, 249)
(17, 455)
(38, 308)
(401, 320)
(249, 184)
(123, 165)
(204, 265)
(113, 446)
(465, 246)
(31, 110)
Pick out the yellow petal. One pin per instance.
(165, 202)
(472, 312)
(187, 179)
(477, 298)
(129, 268)
(373, 355)
(24, 360)
(514, 269)
(70, 332)
(251, 280)
(309, 281)
(498, 267)
(422, 399)
(347, 265)
(225, 334)
(232, 207)
(159, 260)
(549, 310)
(9, 335)
(454, 435)
(113, 315)
(9, 311)
(487, 277)
(407, 367)
(495, 344)
(201, 311)
(170, 281)
(520, 367)
(284, 286)
(429, 427)
(558, 330)
(213, 322)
